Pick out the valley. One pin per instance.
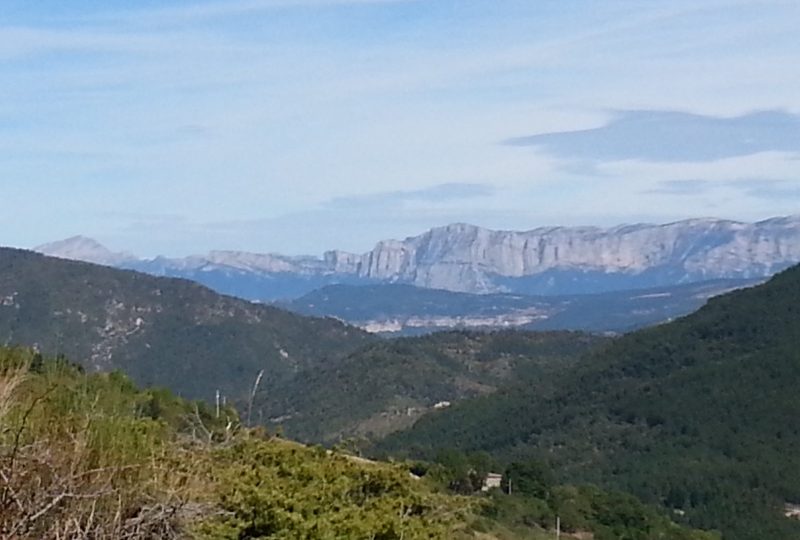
(407, 310)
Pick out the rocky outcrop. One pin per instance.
(466, 258)
(548, 260)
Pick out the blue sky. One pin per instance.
(295, 126)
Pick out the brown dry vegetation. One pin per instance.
(76, 463)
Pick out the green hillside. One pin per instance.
(387, 385)
(92, 456)
(161, 331)
(699, 415)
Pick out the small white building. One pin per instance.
(492, 480)
(791, 511)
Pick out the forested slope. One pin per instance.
(161, 331)
(387, 385)
(699, 415)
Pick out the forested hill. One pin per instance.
(387, 385)
(161, 331)
(699, 415)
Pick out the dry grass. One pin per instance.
(72, 468)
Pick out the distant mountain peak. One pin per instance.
(467, 258)
(83, 248)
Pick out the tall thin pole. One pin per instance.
(558, 527)
(253, 396)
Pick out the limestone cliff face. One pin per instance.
(463, 257)
(466, 258)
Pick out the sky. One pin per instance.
(179, 126)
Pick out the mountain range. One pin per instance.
(466, 258)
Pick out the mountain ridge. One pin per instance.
(83, 248)
(461, 257)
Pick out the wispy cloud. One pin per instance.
(754, 188)
(681, 187)
(435, 194)
(671, 136)
(22, 41)
(770, 189)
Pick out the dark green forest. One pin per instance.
(386, 386)
(699, 416)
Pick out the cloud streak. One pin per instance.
(769, 189)
(440, 193)
(672, 136)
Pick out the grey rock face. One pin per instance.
(547, 260)
(466, 258)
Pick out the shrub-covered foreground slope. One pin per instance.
(161, 331)
(699, 415)
(91, 456)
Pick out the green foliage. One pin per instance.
(616, 516)
(91, 456)
(531, 477)
(697, 416)
(459, 472)
(576, 509)
(283, 490)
